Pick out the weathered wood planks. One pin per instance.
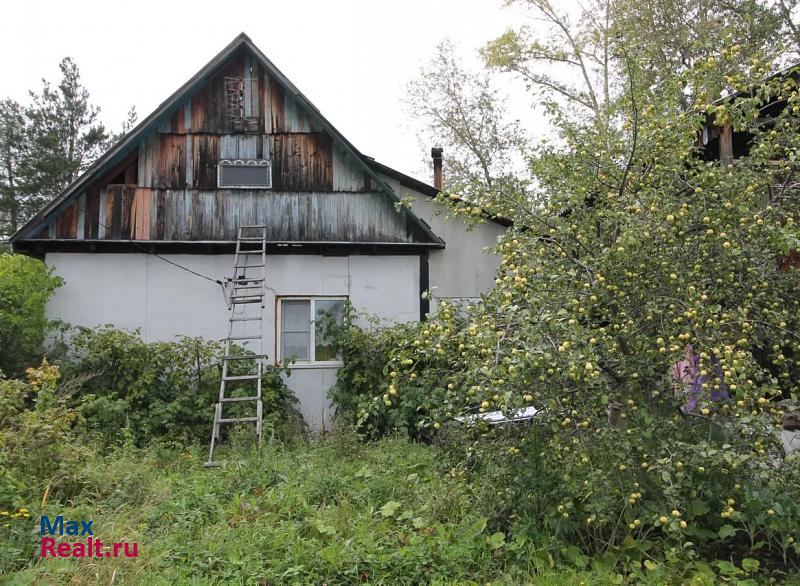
(166, 187)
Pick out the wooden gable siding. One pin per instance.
(301, 153)
(166, 188)
(300, 161)
(129, 212)
(67, 222)
(272, 109)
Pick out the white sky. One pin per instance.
(351, 58)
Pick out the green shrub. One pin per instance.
(25, 286)
(363, 382)
(631, 496)
(39, 449)
(161, 389)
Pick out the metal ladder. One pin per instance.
(245, 305)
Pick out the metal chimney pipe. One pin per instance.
(436, 154)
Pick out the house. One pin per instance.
(142, 237)
(725, 144)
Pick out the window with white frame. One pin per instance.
(244, 174)
(302, 331)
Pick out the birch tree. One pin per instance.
(464, 113)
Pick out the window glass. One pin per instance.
(257, 174)
(295, 329)
(324, 349)
(295, 345)
(298, 339)
(295, 316)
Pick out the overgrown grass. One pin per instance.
(332, 511)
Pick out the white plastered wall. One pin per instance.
(140, 291)
(464, 268)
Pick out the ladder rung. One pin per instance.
(239, 399)
(241, 377)
(244, 290)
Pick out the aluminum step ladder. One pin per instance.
(245, 306)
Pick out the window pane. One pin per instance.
(294, 345)
(324, 349)
(295, 316)
(245, 173)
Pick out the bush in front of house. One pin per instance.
(363, 385)
(164, 390)
(25, 286)
(112, 389)
(39, 447)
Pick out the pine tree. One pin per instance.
(13, 145)
(64, 132)
(47, 144)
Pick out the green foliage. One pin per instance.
(461, 110)
(46, 144)
(38, 451)
(25, 286)
(162, 389)
(115, 390)
(638, 255)
(333, 511)
(363, 383)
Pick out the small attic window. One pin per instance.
(244, 174)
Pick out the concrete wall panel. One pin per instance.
(465, 268)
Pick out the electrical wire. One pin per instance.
(166, 260)
(173, 263)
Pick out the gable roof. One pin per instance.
(132, 139)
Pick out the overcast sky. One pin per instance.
(351, 58)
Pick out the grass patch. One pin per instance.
(332, 511)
